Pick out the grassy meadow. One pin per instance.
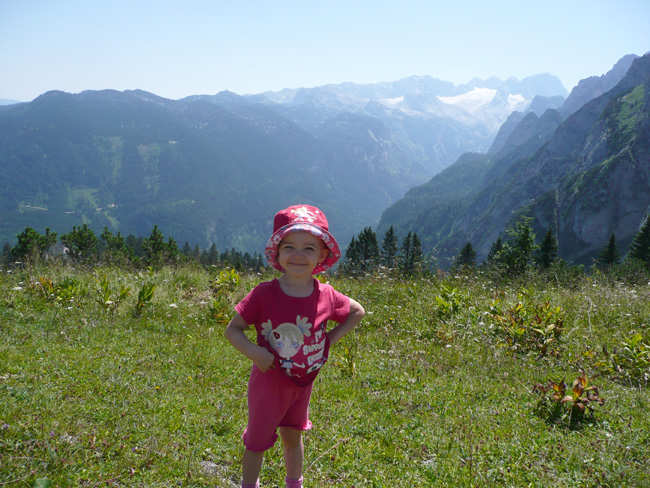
(120, 377)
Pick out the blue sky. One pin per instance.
(180, 48)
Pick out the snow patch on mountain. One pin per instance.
(392, 102)
(517, 102)
(471, 101)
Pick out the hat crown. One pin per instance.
(298, 214)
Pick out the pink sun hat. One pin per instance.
(306, 218)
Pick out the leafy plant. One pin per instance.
(106, 297)
(559, 404)
(65, 291)
(630, 362)
(528, 326)
(227, 280)
(448, 302)
(220, 311)
(145, 295)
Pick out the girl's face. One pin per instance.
(300, 252)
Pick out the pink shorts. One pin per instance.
(274, 401)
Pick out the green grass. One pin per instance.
(421, 394)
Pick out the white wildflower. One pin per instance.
(173, 305)
(17, 288)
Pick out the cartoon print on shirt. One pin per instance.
(316, 361)
(286, 339)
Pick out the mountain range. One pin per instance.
(213, 168)
(581, 170)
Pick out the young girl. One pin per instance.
(290, 315)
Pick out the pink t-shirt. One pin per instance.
(294, 328)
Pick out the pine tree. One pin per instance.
(410, 258)
(640, 247)
(495, 251)
(369, 249)
(32, 245)
(171, 249)
(81, 242)
(154, 246)
(547, 253)
(213, 254)
(609, 255)
(352, 253)
(405, 259)
(466, 257)
(518, 251)
(416, 254)
(389, 248)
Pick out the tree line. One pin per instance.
(83, 245)
(364, 255)
(519, 250)
(511, 255)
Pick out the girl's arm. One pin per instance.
(354, 317)
(262, 358)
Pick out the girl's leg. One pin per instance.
(293, 453)
(251, 466)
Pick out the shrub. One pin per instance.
(631, 362)
(527, 326)
(558, 404)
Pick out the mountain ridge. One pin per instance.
(534, 176)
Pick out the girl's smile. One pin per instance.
(300, 252)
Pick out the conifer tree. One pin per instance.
(405, 254)
(171, 250)
(640, 247)
(196, 254)
(495, 251)
(154, 247)
(81, 242)
(416, 253)
(351, 263)
(369, 249)
(547, 252)
(32, 245)
(389, 248)
(135, 246)
(410, 258)
(518, 251)
(466, 257)
(609, 255)
(213, 254)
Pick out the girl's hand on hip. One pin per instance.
(264, 360)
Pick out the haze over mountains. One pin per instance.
(213, 168)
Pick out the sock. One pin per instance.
(293, 483)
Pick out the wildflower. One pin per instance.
(17, 288)
(173, 305)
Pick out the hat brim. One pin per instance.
(271, 250)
